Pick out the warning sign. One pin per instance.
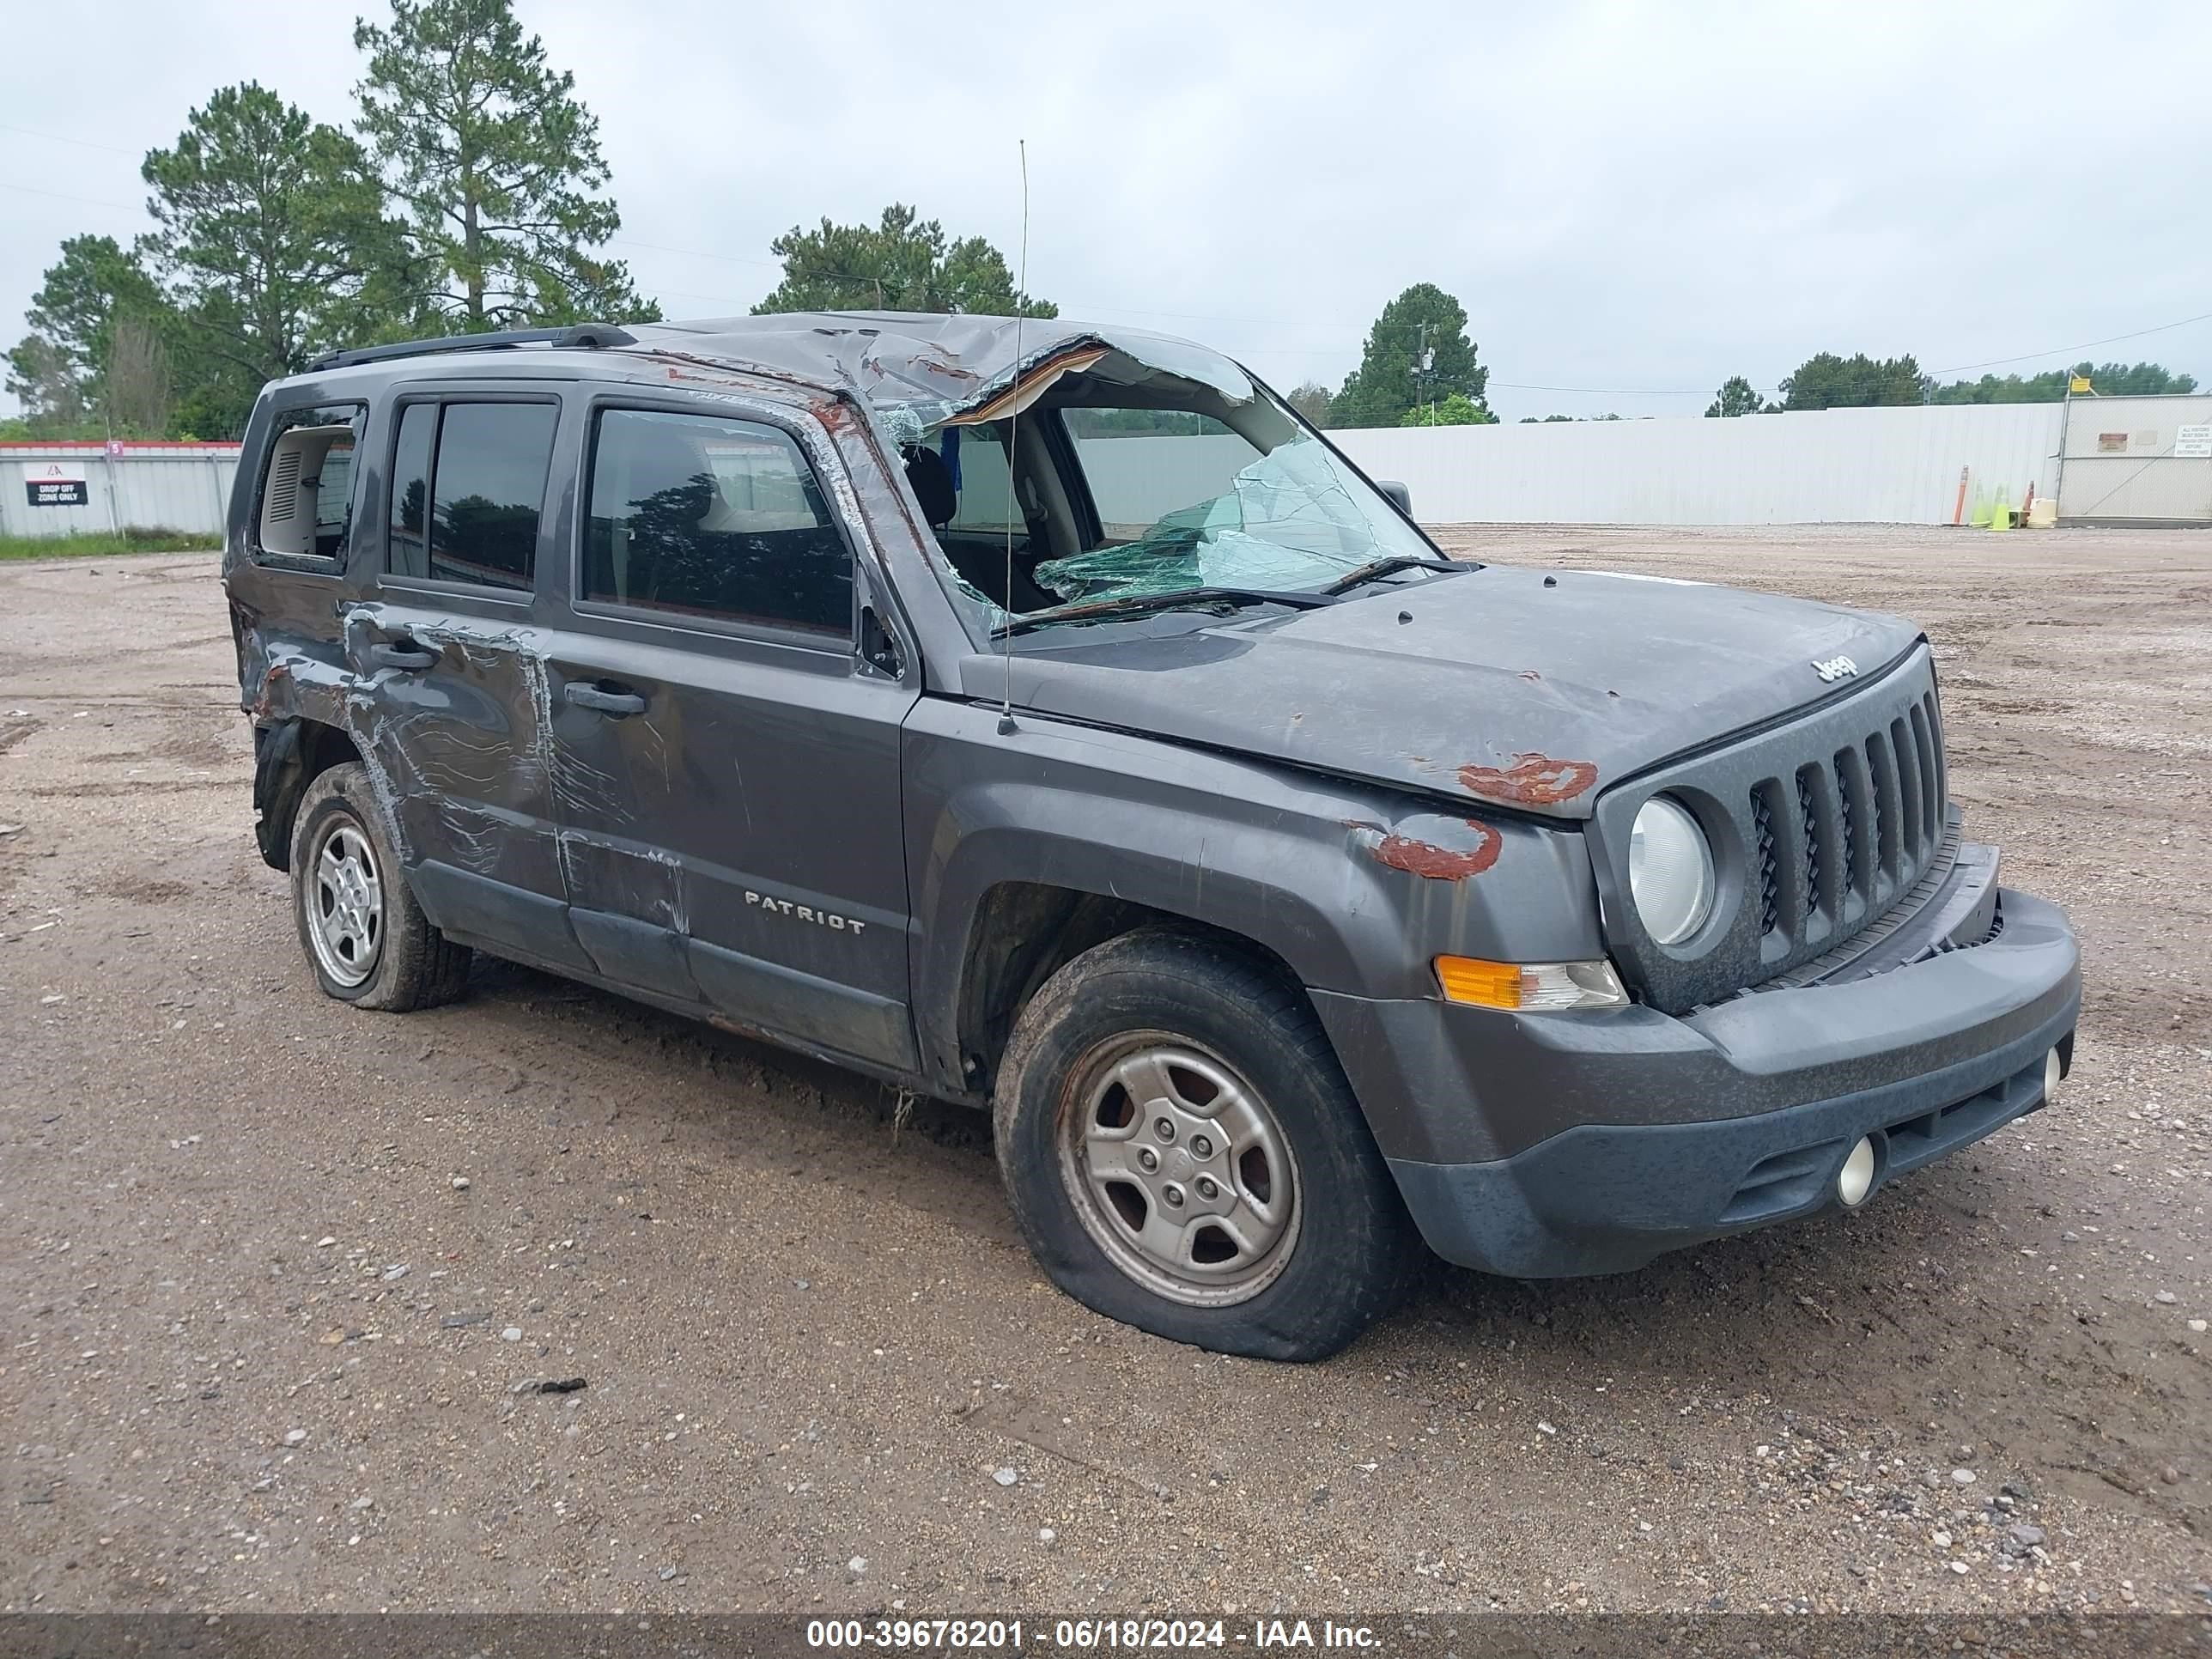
(2194, 442)
(56, 483)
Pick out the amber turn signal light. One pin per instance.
(1530, 987)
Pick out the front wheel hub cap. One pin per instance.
(1208, 1213)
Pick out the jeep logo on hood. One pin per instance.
(1834, 669)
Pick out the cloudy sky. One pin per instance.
(1632, 201)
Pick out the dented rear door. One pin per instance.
(449, 692)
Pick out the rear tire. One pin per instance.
(365, 936)
(1184, 1154)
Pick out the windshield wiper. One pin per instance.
(1137, 605)
(1391, 566)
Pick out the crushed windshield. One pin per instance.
(1295, 517)
(1112, 502)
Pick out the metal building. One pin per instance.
(2136, 460)
(64, 489)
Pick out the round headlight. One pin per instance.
(1670, 872)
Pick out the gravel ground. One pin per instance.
(277, 1272)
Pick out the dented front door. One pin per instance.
(729, 763)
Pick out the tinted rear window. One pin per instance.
(486, 487)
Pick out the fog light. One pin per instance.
(1858, 1179)
(2053, 1071)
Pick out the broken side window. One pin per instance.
(976, 460)
(305, 510)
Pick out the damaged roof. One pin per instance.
(923, 368)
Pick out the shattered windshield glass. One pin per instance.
(1102, 480)
(1296, 517)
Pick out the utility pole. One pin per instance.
(1420, 363)
(1423, 360)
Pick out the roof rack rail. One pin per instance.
(585, 335)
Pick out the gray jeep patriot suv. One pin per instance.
(1046, 718)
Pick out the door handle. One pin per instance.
(402, 653)
(619, 704)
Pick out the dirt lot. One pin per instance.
(260, 1343)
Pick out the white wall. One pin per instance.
(148, 486)
(1838, 466)
(2126, 460)
(1136, 480)
(1841, 466)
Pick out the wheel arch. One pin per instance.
(289, 753)
(1020, 933)
(1015, 870)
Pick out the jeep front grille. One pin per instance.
(1836, 815)
(1813, 884)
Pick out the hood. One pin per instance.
(1530, 689)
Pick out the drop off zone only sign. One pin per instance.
(56, 483)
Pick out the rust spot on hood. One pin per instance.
(1532, 779)
(1426, 858)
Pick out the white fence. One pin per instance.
(1838, 466)
(2126, 459)
(58, 490)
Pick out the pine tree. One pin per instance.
(497, 163)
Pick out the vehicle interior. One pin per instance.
(304, 503)
(1089, 464)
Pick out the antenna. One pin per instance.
(1013, 456)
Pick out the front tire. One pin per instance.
(1183, 1153)
(365, 936)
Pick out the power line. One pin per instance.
(832, 275)
(2055, 351)
(64, 138)
(1606, 391)
(694, 253)
(64, 196)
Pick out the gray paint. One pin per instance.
(915, 367)
(1354, 790)
(1607, 1197)
(1444, 1085)
(1585, 670)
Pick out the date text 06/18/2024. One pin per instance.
(1083, 1635)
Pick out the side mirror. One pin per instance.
(1398, 493)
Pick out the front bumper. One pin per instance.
(1552, 1145)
